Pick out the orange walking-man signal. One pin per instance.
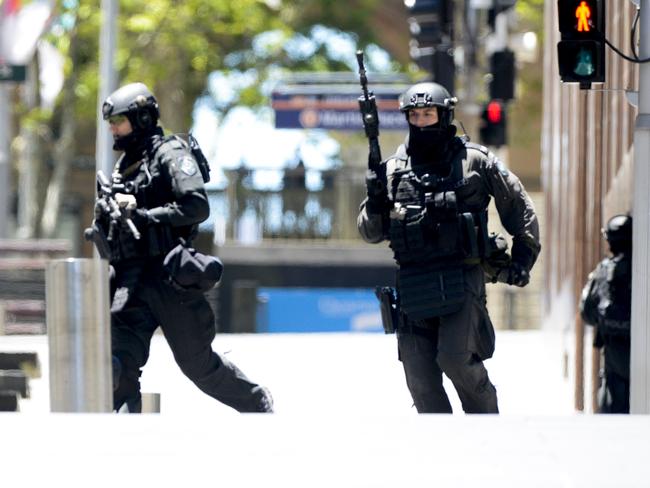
(583, 13)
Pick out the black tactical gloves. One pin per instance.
(517, 275)
(377, 201)
(141, 218)
(101, 208)
(523, 258)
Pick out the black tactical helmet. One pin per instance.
(618, 230)
(429, 94)
(135, 101)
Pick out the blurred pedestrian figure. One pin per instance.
(606, 304)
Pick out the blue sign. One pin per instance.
(310, 118)
(302, 107)
(318, 310)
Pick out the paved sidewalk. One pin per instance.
(344, 420)
(338, 373)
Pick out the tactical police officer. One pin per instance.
(432, 208)
(606, 303)
(163, 183)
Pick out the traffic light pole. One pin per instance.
(107, 83)
(5, 159)
(640, 342)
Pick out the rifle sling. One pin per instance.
(132, 168)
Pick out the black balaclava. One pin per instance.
(428, 145)
(620, 246)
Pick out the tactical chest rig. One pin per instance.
(147, 181)
(433, 240)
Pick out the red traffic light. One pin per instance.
(492, 131)
(494, 112)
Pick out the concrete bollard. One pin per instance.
(9, 401)
(79, 336)
(14, 380)
(150, 402)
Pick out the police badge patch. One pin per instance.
(187, 165)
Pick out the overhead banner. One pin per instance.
(334, 107)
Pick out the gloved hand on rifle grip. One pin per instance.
(101, 208)
(126, 201)
(141, 218)
(376, 190)
(375, 186)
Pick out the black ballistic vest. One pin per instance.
(149, 181)
(615, 296)
(432, 240)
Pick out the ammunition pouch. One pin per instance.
(427, 291)
(418, 237)
(389, 308)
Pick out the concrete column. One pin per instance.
(639, 361)
(107, 83)
(5, 160)
(79, 336)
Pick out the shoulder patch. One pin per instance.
(187, 165)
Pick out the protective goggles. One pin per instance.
(116, 119)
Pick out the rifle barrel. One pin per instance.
(362, 75)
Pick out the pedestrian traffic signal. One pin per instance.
(493, 124)
(581, 52)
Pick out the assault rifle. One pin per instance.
(118, 215)
(376, 175)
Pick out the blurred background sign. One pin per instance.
(330, 101)
(317, 310)
(10, 72)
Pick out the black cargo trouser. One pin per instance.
(617, 375)
(454, 344)
(141, 302)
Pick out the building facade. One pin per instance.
(587, 168)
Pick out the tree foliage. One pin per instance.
(173, 47)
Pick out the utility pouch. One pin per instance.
(466, 221)
(430, 291)
(388, 307)
(189, 270)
